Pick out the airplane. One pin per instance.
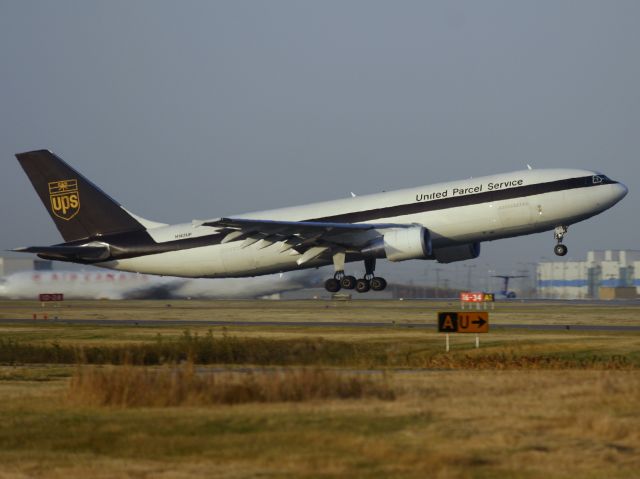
(504, 293)
(445, 222)
(121, 285)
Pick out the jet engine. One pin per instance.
(461, 252)
(401, 244)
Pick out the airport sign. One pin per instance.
(51, 297)
(476, 297)
(463, 322)
(471, 297)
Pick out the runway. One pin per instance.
(314, 324)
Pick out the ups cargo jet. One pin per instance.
(445, 222)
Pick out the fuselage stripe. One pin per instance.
(467, 200)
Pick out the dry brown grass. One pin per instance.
(135, 386)
(525, 405)
(500, 351)
(518, 361)
(443, 424)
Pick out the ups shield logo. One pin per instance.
(65, 198)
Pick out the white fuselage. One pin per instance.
(462, 222)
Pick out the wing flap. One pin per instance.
(299, 235)
(312, 253)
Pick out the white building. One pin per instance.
(563, 280)
(583, 279)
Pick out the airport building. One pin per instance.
(609, 274)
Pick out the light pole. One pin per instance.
(438, 282)
(490, 273)
(524, 272)
(469, 268)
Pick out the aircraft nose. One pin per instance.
(623, 190)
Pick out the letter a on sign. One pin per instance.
(447, 322)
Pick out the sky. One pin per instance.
(199, 109)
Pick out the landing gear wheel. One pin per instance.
(560, 250)
(348, 282)
(332, 285)
(559, 233)
(378, 284)
(363, 285)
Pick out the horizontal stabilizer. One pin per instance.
(82, 254)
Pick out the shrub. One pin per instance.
(141, 386)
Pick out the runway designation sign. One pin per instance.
(463, 322)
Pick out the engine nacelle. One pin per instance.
(461, 252)
(402, 244)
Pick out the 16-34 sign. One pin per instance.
(458, 322)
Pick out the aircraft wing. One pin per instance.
(310, 238)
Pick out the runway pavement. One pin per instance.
(314, 324)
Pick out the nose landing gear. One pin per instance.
(560, 249)
(559, 234)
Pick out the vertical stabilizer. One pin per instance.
(79, 208)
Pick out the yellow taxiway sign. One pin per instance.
(463, 322)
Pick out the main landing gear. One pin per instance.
(559, 235)
(362, 285)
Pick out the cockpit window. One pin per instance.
(601, 180)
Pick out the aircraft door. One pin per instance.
(515, 214)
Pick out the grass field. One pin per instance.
(318, 310)
(524, 405)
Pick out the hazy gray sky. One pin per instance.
(185, 110)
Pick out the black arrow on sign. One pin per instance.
(480, 322)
